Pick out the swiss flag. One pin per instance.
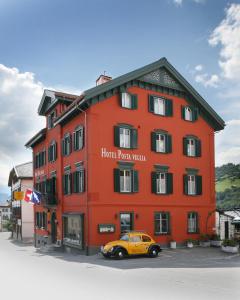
(28, 195)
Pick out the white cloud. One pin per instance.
(208, 80)
(227, 35)
(199, 68)
(180, 2)
(228, 143)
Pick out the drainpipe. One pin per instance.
(86, 175)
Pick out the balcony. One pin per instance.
(49, 200)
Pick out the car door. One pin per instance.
(136, 245)
(146, 242)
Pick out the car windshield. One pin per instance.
(124, 238)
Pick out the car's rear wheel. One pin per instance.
(120, 254)
(153, 252)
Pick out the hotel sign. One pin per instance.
(119, 154)
(106, 228)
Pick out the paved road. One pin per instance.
(176, 274)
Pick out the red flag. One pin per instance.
(28, 195)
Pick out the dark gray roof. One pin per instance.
(216, 121)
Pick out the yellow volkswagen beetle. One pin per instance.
(131, 243)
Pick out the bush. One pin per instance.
(8, 226)
(204, 238)
(215, 237)
(230, 243)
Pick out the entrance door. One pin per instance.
(226, 227)
(53, 228)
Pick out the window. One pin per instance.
(126, 222)
(125, 180)
(125, 237)
(192, 184)
(52, 152)
(125, 137)
(161, 142)
(160, 106)
(40, 159)
(73, 230)
(162, 183)
(162, 223)
(67, 144)
(189, 113)
(67, 182)
(128, 100)
(192, 222)
(192, 147)
(51, 118)
(78, 181)
(135, 239)
(78, 138)
(146, 239)
(41, 220)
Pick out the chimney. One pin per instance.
(102, 79)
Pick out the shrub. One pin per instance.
(215, 237)
(204, 238)
(230, 243)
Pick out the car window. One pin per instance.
(135, 239)
(146, 238)
(125, 237)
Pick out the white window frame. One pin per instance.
(125, 137)
(192, 222)
(191, 185)
(80, 179)
(79, 133)
(161, 183)
(161, 143)
(160, 219)
(126, 100)
(159, 106)
(125, 181)
(188, 114)
(191, 147)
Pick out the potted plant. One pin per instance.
(173, 244)
(230, 246)
(204, 240)
(190, 243)
(215, 240)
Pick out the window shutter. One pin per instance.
(168, 107)
(49, 158)
(75, 183)
(135, 181)
(74, 141)
(55, 150)
(83, 137)
(134, 102)
(71, 183)
(116, 180)
(151, 103)
(120, 99)
(154, 182)
(48, 186)
(64, 184)
(198, 185)
(185, 143)
(198, 148)
(134, 139)
(83, 176)
(169, 223)
(185, 184)
(195, 112)
(63, 147)
(70, 143)
(197, 222)
(183, 112)
(169, 178)
(116, 136)
(153, 141)
(168, 143)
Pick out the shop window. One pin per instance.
(126, 222)
(73, 230)
(78, 138)
(192, 222)
(162, 223)
(128, 100)
(125, 136)
(192, 184)
(189, 113)
(161, 142)
(160, 106)
(192, 146)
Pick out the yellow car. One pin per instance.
(131, 243)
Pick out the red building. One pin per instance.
(135, 152)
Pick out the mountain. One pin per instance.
(228, 185)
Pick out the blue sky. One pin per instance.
(67, 44)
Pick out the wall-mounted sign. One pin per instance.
(39, 173)
(119, 154)
(18, 195)
(106, 228)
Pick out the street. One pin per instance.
(195, 273)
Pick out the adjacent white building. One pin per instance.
(20, 179)
(228, 224)
(5, 216)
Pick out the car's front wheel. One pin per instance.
(153, 252)
(120, 254)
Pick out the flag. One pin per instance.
(36, 197)
(28, 195)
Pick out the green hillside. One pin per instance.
(228, 185)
